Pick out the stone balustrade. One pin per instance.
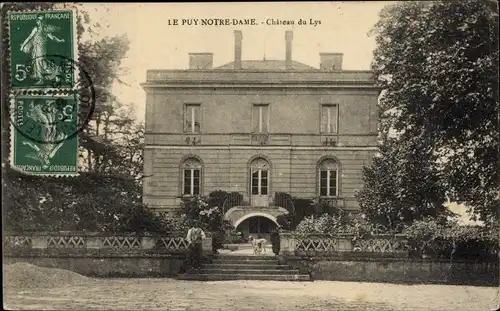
(175, 243)
(323, 245)
(118, 242)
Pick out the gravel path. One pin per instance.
(168, 294)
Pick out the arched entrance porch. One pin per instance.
(258, 225)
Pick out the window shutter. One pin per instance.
(324, 119)
(265, 118)
(255, 119)
(197, 119)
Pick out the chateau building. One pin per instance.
(258, 127)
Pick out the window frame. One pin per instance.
(184, 167)
(260, 161)
(329, 107)
(260, 178)
(328, 183)
(320, 169)
(192, 128)
(260, 121)
(192, 183)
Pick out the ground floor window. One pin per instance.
(192, 177)
(328, 178)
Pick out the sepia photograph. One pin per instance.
(279, 156)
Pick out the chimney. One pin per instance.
(330, 61)
(201, 60)
(238, 37)
(288, 58)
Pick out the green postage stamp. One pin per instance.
(45, 92)
(45, 134)
(35, 39)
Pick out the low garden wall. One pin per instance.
(376, 259)
(101, 254)
(379, 258)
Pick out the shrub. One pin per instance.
(285, 222)
(235, 237)
(451, 241)
(89, 202)
(326, 223)
(210, 217)
(341, 223)
(303, 208)
(312, 207)
(275, 241)
(217, 198)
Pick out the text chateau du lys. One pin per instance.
(239, 22)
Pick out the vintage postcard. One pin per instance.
(250, 156)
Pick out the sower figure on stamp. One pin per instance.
(35, 45)
(195, 238)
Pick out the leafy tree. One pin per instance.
(217, 198)
(112, 140)
(208, 216)
(400, 188)
(437, 65)
(89, 202)
(451, 240)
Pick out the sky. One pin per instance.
(154, 44)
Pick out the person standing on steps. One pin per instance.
(195, 238)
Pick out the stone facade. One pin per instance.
(266, 124)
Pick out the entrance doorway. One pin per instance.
(257, 226)
(259, 182)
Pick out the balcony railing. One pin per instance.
(284, 200)
(261, 138)
(332, 201)
(232, 200)
(280, 199)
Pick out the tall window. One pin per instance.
(192, 118)
(259, 182)
(260, 118)
(328, 178)
(329, 119)
(191, 183)
(260, 178)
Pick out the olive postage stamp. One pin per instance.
(33, 36)
(43, 134)
(51, 96)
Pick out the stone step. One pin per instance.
(226, 270)
(246, 266)
(246, 258)
(257, 277)
(248, 262)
